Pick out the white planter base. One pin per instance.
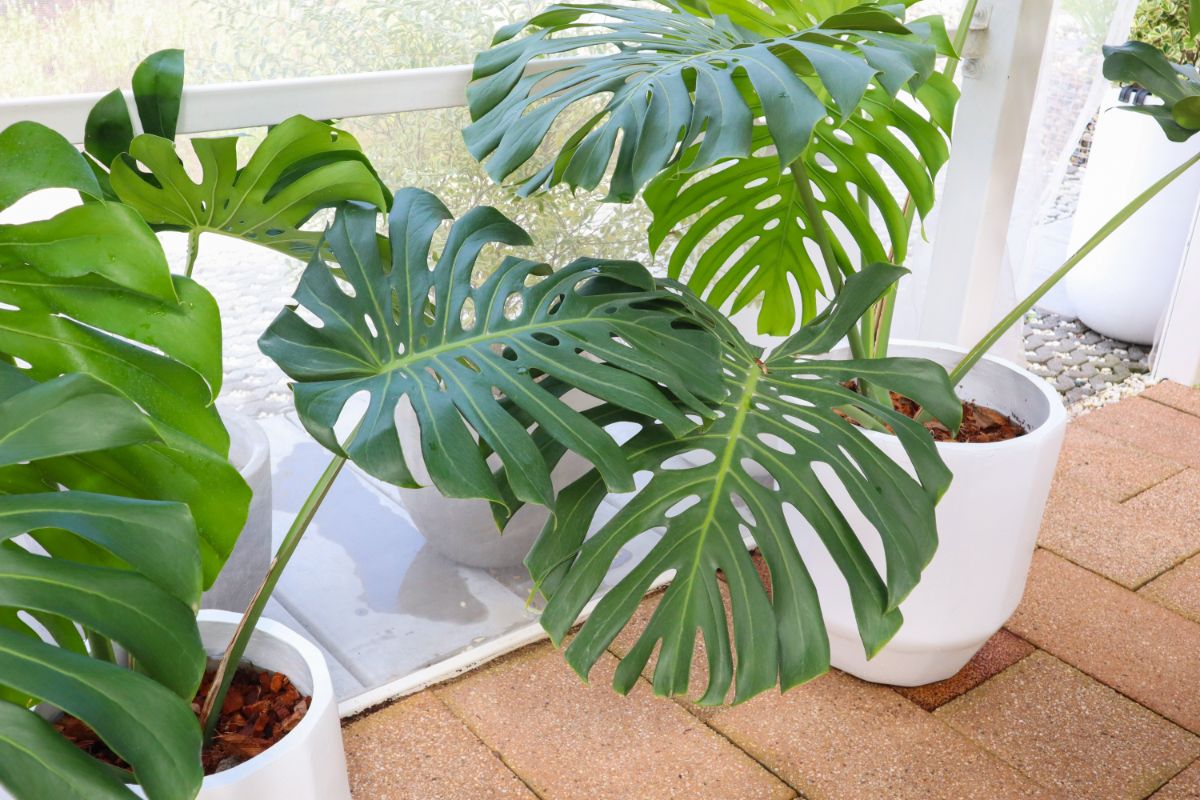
(988, 524)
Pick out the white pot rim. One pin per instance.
(322, 693)
(1057, 415)
(243, 427)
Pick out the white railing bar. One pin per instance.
(249, 104)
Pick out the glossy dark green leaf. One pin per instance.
(671, 79)
(143, 722)
(741, 477)
(157, 89)
(301, 167)
(108, 130)
(467, 356)
(1178, 87)
(123, 568)
(37, 763)
(744, 231)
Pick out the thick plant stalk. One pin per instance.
(193, 250)
(977, 352)
(241, 637)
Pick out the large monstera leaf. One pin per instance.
(681, 76)
(746, 232)
(89, 291)
(483, 361)
(127, 570)
(710, 491)
(1176, 85)
(301, 167)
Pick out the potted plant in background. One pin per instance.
(776, 143)
(1127, 155)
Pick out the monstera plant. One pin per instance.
(299, 168)
(117, 502)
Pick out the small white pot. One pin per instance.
(250, 453)
(307, 764)
(988, 525)
(1123, 287)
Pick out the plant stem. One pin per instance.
(821, 234)
(193, 250)
(101, 647)
(885, 308)
(977, 352)
(241, 637)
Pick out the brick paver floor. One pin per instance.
(1092, 690)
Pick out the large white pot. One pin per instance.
(307, 764)
(1123, 287)
(988, 525)
(250, 453)
(464, 531)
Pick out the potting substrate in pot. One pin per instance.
(987, 522)
(305, 763)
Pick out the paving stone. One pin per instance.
(838, 738)
(1184, 786)
(1178, 589)
(1119, 638)
(1067, 731)
(1130, 543)
(1175, 395)
(998, 654)
(1151, 427)
(1108, 466)
(418, 750)
(570, 741)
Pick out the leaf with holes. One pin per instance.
(744, 225)
(89, 291)
(680, 81)
(779, 441)
(301, 167)
(127, 570)
(469, 358)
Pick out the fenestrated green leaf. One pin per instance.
(742, 476)
(301, 167)
(744, 223)
(122, 568)
(676, 78)
(465, 357)
(143, 722)
(35, 762)
(1177, 86)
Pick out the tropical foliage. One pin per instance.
(780, 438)
(752, 126)
(117, 503)
(1175, 85)
(484, 360)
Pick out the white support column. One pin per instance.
(1176, 356)
(999, 84)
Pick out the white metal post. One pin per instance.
(999, 84)
(1176, 355)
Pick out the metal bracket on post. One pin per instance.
(990, 131)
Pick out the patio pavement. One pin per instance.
(1091, 691)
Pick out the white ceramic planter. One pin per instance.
(250, 453)
(1123, 287)
(307, 764)
(988, 524)
(464, 530)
